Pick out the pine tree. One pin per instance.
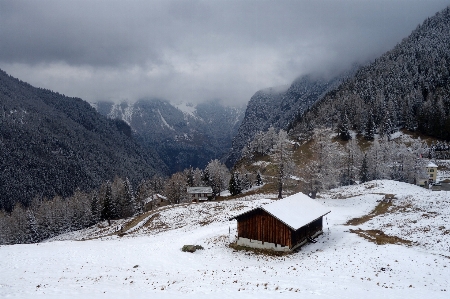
(108, 210)
(369, 130)
(96, 210)
(344, 127)
(234, 185)
(259, 181)
(129, 202)
(246, 183)
(364, 171)
(190, 176)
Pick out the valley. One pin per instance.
(132, 191)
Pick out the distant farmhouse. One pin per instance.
(283, 225)
(200, 193)
(432, 172)
(431, 175)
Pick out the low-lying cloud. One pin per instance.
(194, 50)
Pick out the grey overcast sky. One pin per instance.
(194, 51)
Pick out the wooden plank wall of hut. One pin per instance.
(259, 225)
(306, 231)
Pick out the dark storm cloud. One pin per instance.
(194, 50)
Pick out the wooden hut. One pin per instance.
(282, 225)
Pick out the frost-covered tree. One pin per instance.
(218, 176)
(351, 162)
(197, 177)
(321, 172)
(262, 144)
(281, 155)
(176, 188)
(189, 173)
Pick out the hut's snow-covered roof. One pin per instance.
(295, 211)
(195, 190)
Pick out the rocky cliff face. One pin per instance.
(279, 107)
(184, 135)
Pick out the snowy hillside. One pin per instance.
(148, 262)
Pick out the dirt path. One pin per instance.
(130, 226)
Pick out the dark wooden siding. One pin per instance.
(259, 225)
(306, 231)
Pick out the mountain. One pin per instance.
(51, 145)
(278, 107)
(407, 87)
(184, 135)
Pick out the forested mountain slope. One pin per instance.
(407, 87)
(51, 145)
(184, 135)
(277, 107)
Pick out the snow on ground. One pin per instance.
(150, 263)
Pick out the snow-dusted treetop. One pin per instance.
(295, 211)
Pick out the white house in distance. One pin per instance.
(431, 175)
(432, 172)
(200, 193)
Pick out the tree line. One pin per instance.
(45, 218)
(333, 163)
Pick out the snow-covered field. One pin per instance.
(149, 263)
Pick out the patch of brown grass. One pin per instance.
(378, 237)
(417, 134)
(363, 143)
(380, 209)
